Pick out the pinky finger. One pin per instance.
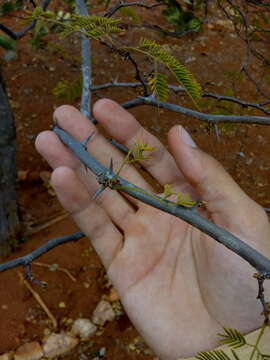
(90, 217)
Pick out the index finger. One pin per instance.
(123, 127)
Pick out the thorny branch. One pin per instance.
(26, 260)
(107, 178)
(127, 56)
(261, 278)
(178, 89)
(151, 100)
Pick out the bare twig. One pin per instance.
(27, 259)
(179, 89)
(54, 267)
(150, 100)
(261, 278)
(127, 56)
(38, 298)
(33, 229)
(122, 4)
(243, 103)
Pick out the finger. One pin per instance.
(91, 218)
(227, 203)
(54, 151)
(122, 126)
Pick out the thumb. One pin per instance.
(226, 202)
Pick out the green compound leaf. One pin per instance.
(159, 86)
(182, 74)
(168, 191)
(96, 25)
(213, 355)
(233, 338)
(68, 90)
(235, 355)
(185, 200)
(92, 26)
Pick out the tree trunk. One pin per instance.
(9, 220)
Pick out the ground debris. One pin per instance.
(83, 328)
(102, 313)
(7, 356)
(58, 344)
(29, 351)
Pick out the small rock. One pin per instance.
(7, 356)
(83, 328)
(22, 175)
(241, 154)
(59, 344)
(29, 351)
(113, 296)
(102, 313)
(210, 26)
(102, 352)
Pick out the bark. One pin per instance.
(9, 220)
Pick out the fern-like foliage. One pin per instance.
(159, 86)
(213, 355)
(233, 338)
(94, 27)
(181, 73)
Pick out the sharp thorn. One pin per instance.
(98, 192)
(111, 166)
(89, 138)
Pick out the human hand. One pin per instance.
(178, 286)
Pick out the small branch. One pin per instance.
(107, 178)
(38, 298)
(127, 56)
(121, 4)
(115, 84)
(27, 259)
(9, 32)
(243, 103)
(261, 278)
(86, 65)
(21, 33)
(179, 89)
(32, 229)
(54, 267)
(150, 100)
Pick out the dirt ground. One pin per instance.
(214, 56)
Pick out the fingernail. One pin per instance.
(187, 139)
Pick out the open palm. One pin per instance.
(178, 286)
